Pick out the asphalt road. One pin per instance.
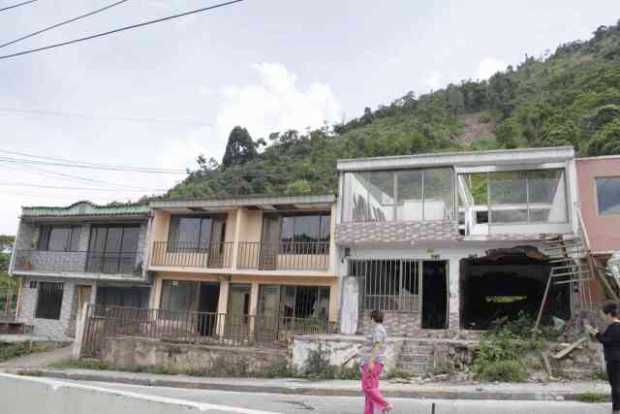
(293, 404)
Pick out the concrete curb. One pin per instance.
(312, 391)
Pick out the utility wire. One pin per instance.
(102, 118)
(17, 5)
(65, 162)
(74, 19)
(121, 29)
(56, 187)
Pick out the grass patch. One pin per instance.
(12, 351)
(592, 397)
(503, 371)
(95, 364)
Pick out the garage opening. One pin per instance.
(506, 283)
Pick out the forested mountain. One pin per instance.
(569, 97)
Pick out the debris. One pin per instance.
(570, 348)
(546, 364)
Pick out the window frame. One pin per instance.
(49, 311)
(318, 246)
(397, 202)
(45, 232)
(282, 288)
(596, 195)
(203, 244)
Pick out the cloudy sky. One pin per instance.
(266, 64)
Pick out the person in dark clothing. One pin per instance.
(611, 346)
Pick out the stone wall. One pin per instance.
(401, 324)
(131, 353)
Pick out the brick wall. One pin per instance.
(393, 232)
(400, 324)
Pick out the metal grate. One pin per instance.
(388, 285)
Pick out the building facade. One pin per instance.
(453, 241)
(84, 253)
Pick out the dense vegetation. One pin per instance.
(570, 97)
(5, 280)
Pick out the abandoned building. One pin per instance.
(84, 253)
(457, 241)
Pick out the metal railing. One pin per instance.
(286, 255)
(194, 327)
(8, 304)
(189, 254)
(128, 263)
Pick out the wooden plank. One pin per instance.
(570, 348)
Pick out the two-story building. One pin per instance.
(264, 262)
(453, 240)
(83, 253)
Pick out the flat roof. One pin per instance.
(464, 158)
(246, 201)
(86, 209)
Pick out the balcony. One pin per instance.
(286, 255)
(180, 254)
(44, 261)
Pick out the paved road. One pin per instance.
(292, 404)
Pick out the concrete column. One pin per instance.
(333, 249)
(253, 307)
(334, 295)
(238, 226)
(222, 305)
(454, 300)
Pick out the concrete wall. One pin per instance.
(27, 395)
(128, 352)
(603, 231)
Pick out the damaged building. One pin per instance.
(458, 241)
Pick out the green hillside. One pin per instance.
(570, 97)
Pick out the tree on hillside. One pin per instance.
(240, 148)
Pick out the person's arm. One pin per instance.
(605, 337)
(377, 341)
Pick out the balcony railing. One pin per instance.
(184, 254)
(126, 263)
(287, 255)
(194, 327)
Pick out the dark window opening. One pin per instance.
(133, 297)
(195, 234)
(49, 301)
(305, 234)
(304, 302)
(434, 295)
(59, 238)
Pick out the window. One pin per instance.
(179, 296)
(60, 238)
(113, 249)
(388, 285)
(304, 302)
(305, 234)
(407, 195)
(133, 297)
(608, 195)
(49, 301)
(194, 233)
(535, 196)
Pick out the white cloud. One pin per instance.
(433, 81)
(276, 103)
(488, 67)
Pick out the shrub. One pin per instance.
(485, 118)
(503, 371)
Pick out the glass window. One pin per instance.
(305, 234)
(546, 196)
(60, 238)
(191, 234)
(295, 301)
(608, 195)
(49, 300)
(133, 297)
(410, 202)
(438, 194)
(179, 296)
(113, 248)
(508, 194)
(370, 196)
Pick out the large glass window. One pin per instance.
(133, 297)
(294, 301)
(113, 248)
(407, 195)
(608, 195)
(536, 196)
(60, 238)
(195, 234)
(49, 300)
(179, 296)
(305, 234)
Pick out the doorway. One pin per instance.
(434, 295)
(207, 306)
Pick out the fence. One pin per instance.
(8, 304)
(188, 254)
(193, 327)
(287, 255)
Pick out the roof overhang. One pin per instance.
(85, 210)
(265, 203)
(525, 156)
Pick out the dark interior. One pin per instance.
(434, 295)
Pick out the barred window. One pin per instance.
(388, 285)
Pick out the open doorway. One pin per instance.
(434, 295)
(507, 283)
(207, 306)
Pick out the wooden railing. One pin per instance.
(184, 254)
(286, 255)
(194, 327)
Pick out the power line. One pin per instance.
(17, 5)
(74, 19)
(62, 162)
(102, 118)
(56, 187)
(134, 26)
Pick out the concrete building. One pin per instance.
(83, 253)
(453, 241)
(259, 264)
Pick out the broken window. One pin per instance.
(388, 285)
(49, 301)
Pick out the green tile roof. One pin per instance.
(86, 208)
